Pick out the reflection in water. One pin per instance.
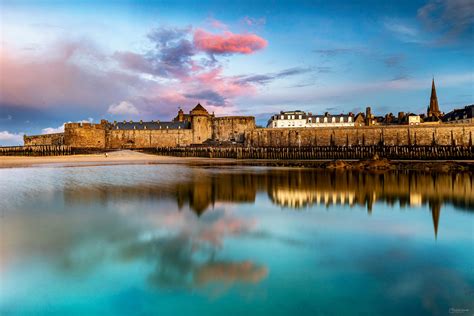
(66, 231)
(299, 188)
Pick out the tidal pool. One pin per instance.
(211, 240)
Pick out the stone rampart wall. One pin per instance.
(232, 127)
(446, 135)
(148, 138)
(47, 139)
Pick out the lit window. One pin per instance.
(333, 119)
(341, 119)
(301, 117)
(317, 120)
(281, 117)
(325, 120)
(349, 119)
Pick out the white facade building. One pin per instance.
(299, 119)
(414, 120)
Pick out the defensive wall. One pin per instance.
(400, 135)
(48, 139)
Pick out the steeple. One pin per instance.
(435, 213)
(433, 110)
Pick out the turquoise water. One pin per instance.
(205, 240)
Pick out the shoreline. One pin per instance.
(127, 157)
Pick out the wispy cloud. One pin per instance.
(451, 19)
(404, 31)
(267, 78)
(331, 52)
(250, 21)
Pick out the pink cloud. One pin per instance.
(228, 43)
(62, 75)
(217, 24)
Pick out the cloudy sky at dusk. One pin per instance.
(80, 60)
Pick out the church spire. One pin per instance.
(435, 213)
(433, 110)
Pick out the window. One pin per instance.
(333, 119)
(301, 117)
(349, 119)
(341, 119)
(325, 120)
(281, 117)
(317, 120)
(309, 120)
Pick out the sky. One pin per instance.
(70, 61)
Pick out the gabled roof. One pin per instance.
(199, 109)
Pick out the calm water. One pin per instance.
(189, 240)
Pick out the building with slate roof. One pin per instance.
(463, 116)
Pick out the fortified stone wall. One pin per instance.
(48, 139)
(232, 128)
(148, 138)
(85, 135)
(460, 135)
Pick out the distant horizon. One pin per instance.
(62, 61)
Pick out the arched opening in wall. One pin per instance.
(129, 144)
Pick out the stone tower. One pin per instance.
(200, 124)
(433, 109)
(180, 117)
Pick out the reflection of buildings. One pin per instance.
(302, 198)
(295, 188)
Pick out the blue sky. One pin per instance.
(72, 61)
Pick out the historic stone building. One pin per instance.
(197, 127)
(299, 119)
(287, 129)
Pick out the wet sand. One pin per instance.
(112, 158)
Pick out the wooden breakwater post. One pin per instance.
(37, 150)
(407, 152)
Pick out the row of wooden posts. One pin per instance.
(316, 152)
(323, 152)
(38, 150)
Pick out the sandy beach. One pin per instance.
(112, 158)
